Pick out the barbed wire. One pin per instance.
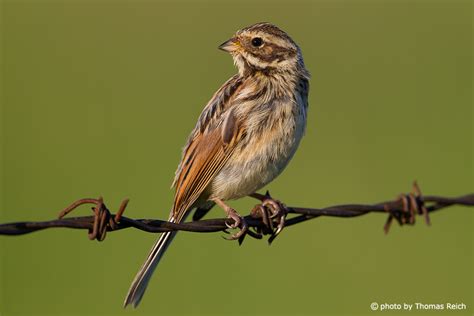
(261, 221)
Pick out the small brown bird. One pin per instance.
(245, 136)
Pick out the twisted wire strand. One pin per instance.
(262, 219)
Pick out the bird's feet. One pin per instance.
(272, 212)
(239, 221)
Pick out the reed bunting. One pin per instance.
(244, 137)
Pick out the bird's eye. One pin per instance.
(257, 41)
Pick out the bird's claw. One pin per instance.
(278, 214)
(270, 211)
(239, 222)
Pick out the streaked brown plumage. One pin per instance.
(245, 136)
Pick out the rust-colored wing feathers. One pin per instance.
(209, 147)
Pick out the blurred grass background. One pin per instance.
(98, 98)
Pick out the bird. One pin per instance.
(244, 137)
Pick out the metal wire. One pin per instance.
(262, 220)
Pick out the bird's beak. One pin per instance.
(230, 46)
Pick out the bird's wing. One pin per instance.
(209, 147)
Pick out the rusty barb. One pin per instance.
(103, 219)
(411, 205)
(269, 217)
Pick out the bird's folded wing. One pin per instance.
(209, 147)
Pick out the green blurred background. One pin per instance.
(98, 98)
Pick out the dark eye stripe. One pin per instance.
(277, 53)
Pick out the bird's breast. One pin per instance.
(273, 131)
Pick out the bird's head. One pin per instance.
(263, 47)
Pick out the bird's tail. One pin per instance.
(139, 284)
